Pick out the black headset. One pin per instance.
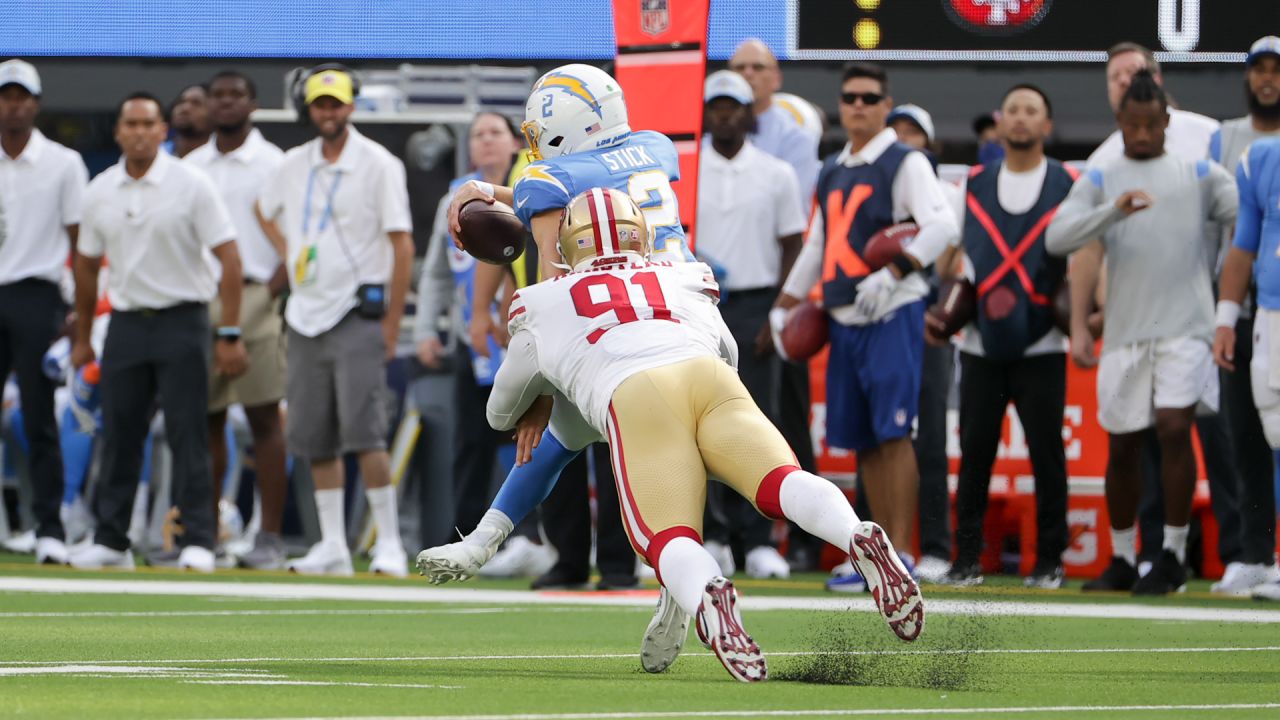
(298, 86)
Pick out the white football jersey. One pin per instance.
(595, 328)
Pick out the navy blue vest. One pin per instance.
(1016, 283)
(867, 192)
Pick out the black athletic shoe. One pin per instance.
(1167, 575)
(1119, 576)
(1045, 577)
(618, 582)
(963, 574)
(558, 579)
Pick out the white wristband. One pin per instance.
(484, 187)
(1228, 313)
(777, 319)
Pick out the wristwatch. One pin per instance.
(230, 333)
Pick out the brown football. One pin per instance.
(491, 232)
(805, 333)
(957, 301)
(887, 244)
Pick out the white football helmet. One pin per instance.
(572, 109)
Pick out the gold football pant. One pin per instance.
(668, 427)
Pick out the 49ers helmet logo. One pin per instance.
(997, 17)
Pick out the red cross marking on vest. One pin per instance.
(1012, 259)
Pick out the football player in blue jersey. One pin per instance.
(1256, 251)
(577, 129)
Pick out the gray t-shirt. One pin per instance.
(1158, 279)
(1229, 143)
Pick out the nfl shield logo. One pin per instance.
(655, 17)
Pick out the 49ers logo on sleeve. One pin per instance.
(997, 17)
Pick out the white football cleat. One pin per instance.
(932, 569)
(51, 551)
(720, 629)
(1268, 591)
(98, 557)
(199, 559)
(665, 636)
(323, 559)
(23, 544)
(766, 562)
(896, 595)
(389, 559)
(454, 562)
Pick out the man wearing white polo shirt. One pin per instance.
(155, 219)
(241, 162)
(750, 227)
(41, 184)
(338, 212)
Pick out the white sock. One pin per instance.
(1175, 540)
(332, 518)
(1124, 544)
(492, 529)
(686, 567)
(818, 507)
(382, 503)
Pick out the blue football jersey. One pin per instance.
(1258, 224)
(643, 166)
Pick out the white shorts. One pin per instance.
(1266, 361)
(1134, 380)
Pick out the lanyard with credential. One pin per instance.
(328, 205)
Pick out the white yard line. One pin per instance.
(10, 664)
(321, 683)
(384, 593)
(243, 613)
(860, 712)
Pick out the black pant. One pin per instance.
(475, 445)
(31, 313)
(731, 517)
(1038, 388)
(931, 452)
(149, 352)
(1254, 463)
(567, 513)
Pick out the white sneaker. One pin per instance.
(844, 569)
(51, 551)
(765, 562)
(194, 557)
(723, 555)
(97, 557)
(520, 557)
(1240, 578)
(389, 559)
(665, 636)
(932, 569)
(23, 544)
(1267, 591)
(323, 559)
(77, 521)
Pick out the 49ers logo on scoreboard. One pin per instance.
(997, 17)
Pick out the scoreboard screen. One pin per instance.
(1029, 30)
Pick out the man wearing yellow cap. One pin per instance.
(338, 213)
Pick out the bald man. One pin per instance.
(779, 131)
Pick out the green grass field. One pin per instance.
(155, 644)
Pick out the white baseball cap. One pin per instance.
(1269, 45)
(19, 72)
(915, 114)
(727, 83)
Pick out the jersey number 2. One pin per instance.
(619, 300)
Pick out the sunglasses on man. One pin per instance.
(867, 98)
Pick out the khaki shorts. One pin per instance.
(670, 426)
(263, 383)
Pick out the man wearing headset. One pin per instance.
(338, 213)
